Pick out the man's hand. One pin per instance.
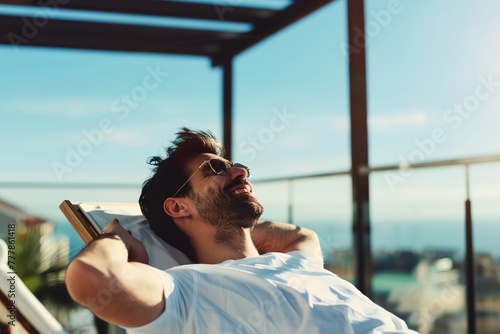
(136, 250)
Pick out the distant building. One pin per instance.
(396, 261)
(9, 214)
(487, 293)
(53, 252)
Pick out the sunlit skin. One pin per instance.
(186, 216)
(204, 181)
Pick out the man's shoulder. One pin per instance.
(293, 259)
(277, 259)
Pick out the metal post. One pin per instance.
(359, 144)
(227, 105)
(290, 202)
(469, 261)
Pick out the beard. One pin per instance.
(229, 213)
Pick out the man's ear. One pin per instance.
(176, 208)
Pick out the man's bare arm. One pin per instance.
(104, 278)
(281, 237)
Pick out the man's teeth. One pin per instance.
(240, 191)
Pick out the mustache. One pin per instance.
(234, 183)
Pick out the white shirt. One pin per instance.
(271, 293)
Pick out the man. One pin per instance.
(250, 276)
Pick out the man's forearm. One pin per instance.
(274, 237)
(105, 279)
(281, 237)
(96, 262)
(105, 250)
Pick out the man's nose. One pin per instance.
(238, 172)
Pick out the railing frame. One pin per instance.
(364, 170)
(469, 249)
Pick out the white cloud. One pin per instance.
(127, 137)
(403, 119)
(58, 106)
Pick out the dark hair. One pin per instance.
(168, 176)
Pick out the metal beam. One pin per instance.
(359, 146)
(470, 268)
(16, 31)
(227, 77)
(178, 9)
(218, 45)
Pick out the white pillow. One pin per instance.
(161, 254)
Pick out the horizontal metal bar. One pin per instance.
(301, 177)
(366, 170)
(66, 185)
(442, 163)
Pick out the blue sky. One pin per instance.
(423, 59)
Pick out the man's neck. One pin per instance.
(212, 251)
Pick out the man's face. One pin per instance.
(224, 201)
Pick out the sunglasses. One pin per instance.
(218, 167)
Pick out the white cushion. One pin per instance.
(161, 254)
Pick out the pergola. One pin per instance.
(221, 47)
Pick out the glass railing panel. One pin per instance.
(485, 198)
(325, 206)
(418, 247)
(321, 204)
